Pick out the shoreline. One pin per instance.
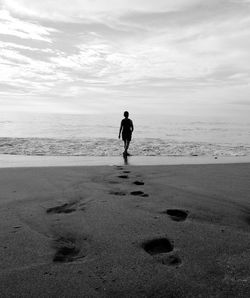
(16, 161)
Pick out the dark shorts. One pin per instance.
(127, 136)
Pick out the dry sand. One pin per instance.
(93, 232)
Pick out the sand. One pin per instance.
(125, 231)
(13, 161)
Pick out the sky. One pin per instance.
(106, 56)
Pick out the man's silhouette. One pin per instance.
(126, 129)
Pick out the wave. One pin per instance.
(114, 147)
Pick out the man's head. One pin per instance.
(126, 114)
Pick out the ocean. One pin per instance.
(97, 135)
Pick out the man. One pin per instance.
(126, 129)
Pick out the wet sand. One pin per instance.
(14, 161)
(125, 231)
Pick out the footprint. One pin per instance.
(247, 219)
(118, 193)
(139, 193)
(172, 260)
(66, 250)
(119, 167)
(158, 246)
(177, 214)
(138, 183)
(65, 208)
(82, 206)
(123, 176)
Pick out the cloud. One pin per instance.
(88, 8)
(23, 29)
(116, 51)
(11, 45)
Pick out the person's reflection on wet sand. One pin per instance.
(125, 157)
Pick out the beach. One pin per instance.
(124, 149)
(125, 231)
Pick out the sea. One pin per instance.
(40, 134)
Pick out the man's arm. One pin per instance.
(120, 131)
(132, 126)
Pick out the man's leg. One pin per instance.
(127, 145)
(124, 145)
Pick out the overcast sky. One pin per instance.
(148, 56)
